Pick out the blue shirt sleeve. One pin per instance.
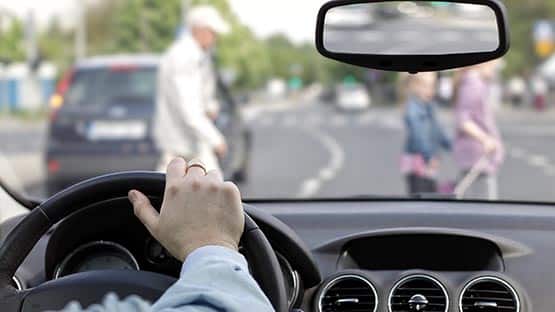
(213, 279)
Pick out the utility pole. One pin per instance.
(185, 6)
(81, 31)
(31, 45)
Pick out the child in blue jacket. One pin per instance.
(425, 138)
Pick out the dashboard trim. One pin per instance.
(82, 247)
(296, 280)
(507, 247)
(17, 282)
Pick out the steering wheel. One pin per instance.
(91, 287)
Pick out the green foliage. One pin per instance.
(53, 45)
(132, 26)
(12, 44)
(523, 15)
(144, 25)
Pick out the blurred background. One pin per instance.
(301, 126)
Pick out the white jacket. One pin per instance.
(186, 92)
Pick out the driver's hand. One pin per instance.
(198, 210)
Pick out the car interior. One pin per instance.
(375, 254)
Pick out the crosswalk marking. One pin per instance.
(324, 120)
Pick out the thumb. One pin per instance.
(143, 210)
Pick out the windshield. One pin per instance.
(94, 87)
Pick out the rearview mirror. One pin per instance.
(413, 36)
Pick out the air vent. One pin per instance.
(348, 293)
(418, 293)
(489, 294)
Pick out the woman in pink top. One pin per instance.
(477, 133)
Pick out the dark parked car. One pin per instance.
(101, 122)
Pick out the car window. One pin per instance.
(78, 86)
(98, 87)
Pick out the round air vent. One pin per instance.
(418, 293)
(489, 294)
(348, 293)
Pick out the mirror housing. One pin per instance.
(410, 62)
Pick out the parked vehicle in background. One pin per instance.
(353, 98)
(102, 117)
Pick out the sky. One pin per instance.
(295, 18)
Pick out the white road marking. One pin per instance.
(310, 187)
(538, 161)
(534, 160)
(327, 174)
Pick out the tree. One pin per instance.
(522, 17)
(11, 45)
(144, 25)
(55, 45)
(137, 26)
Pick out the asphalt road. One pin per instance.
(309, 149)
(316, 151)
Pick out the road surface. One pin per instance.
(308, 149)
(414, 36)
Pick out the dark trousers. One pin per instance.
(420, 185)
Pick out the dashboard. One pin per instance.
(343, 256)
(406, 255)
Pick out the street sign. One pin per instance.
(545, 48)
